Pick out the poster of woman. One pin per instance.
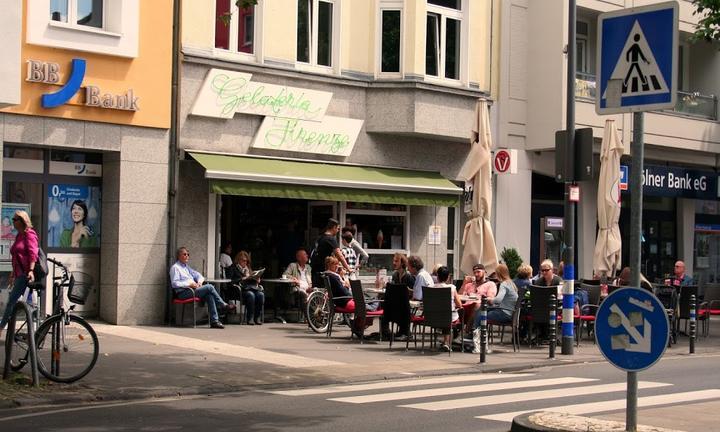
(73, 216)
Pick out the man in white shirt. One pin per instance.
(300, 273)
(422, 277)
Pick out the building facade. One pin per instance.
(678, 222)
(84, 128)
(293, 112)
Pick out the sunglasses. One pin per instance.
(544, 270)
(184, 254)
(15, 219)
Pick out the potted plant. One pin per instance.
(512, 259)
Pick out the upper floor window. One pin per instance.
(390, 39)
(78, 12)
(234, 27)
(315, 29)
(443, 38)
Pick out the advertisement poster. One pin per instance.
(73, 216)
(7, 230)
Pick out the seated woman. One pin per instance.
(501, 306)
(252, 292)
(443, 274)
(338, 285)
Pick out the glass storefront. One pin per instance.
(707, 242)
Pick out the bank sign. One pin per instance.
(679, 182)
(295, 119)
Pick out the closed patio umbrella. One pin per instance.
(478, 239)
(608, 246)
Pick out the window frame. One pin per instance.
(461, 16)
(72, 18)
(383, 6)
(232, 53)
(336, 39)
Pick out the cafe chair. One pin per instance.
(514, 323)
(362, 315)
(332, 308)
(711, 304)
(539, 308)
(437, 311)
(589, 310)
(684, 307)
(396, 308)
(181, 305)
(668, 296)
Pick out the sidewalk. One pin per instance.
(146, 362)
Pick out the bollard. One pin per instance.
(553, 325)
(693, 324)
(483, 329)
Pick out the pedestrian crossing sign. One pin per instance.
(637, 59)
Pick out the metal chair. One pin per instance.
(437, 311)
(333, 308)
(539, 307)
(514, 322)
(396, 308)
(361, 311)
(588, 311)
(182, 304)
(668, 296)
(683, 312)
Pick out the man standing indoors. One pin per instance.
(188, 283)
(422, 277)
(326, 245)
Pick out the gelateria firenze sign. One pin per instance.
(295, 119)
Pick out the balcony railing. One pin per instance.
(691, 104)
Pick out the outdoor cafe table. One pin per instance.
(284, 283)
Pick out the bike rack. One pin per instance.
(10, 337)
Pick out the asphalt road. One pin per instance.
(682, 393)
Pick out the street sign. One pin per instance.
(637, 59)
(505, 161)
(631, 329)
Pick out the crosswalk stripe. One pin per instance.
(527, 396)
(413, 394)
(396, 384)
(613, 405)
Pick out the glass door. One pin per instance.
(318, 214)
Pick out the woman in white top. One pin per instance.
(443, 274)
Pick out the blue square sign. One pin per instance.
(637, 59)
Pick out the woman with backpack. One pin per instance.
(24, 252)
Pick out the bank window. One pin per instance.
(78, 12)
(443, 39)
(235, 28)
(382, 230)
(390, 39)
(316, 27)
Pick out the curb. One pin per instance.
(522, 423)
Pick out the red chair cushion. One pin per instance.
(417, 319)
(587, 317)
(374, 313)
(344, 309)
(714, 311)
(186, 301)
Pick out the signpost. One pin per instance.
(637, 71)
(632, 331)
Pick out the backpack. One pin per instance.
(41, 267)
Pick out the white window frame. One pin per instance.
(582, 39)
(345, 212)
(462, 16)
(312, 65)
(232, 54)
(119, 36)
(389, 5)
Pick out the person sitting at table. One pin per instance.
(339, 287)
(422, 277)
(182, 277)
(522, 279)
(443, 274)
(679, 277)
(400, 276)
(546, 276)
(252, 292)
(623, 279)
(300, 273)
(477, 286)
(501, 308)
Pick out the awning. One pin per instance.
(278, 178)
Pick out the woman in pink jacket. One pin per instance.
(24, 253)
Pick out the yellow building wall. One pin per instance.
(415, 14)
(149, 75)
(359, 30)
(198, 23)
(280, 30)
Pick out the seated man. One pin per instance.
(182, 277)
(300, 273)
(478, 286)
(679, 277)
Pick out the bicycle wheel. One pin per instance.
(317, 312)
(77, 348)
(19, 356)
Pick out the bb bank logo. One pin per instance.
(49, 73)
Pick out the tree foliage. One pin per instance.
(512, 259)
(241, 4)
(708, 27)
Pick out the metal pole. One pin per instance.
(631, 409)
(569, 269)
(483, 329)
(553, 325)
(693, 324)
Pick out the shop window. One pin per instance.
(80, 12)
(390, 41)
(316, 22)
(382, 229)
(443, 39)
(235, 27)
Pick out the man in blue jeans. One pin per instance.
(182, 277)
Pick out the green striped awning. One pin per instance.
(278, 178)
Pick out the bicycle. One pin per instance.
(318, 310)
(67, 345)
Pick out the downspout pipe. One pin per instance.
(173, 162)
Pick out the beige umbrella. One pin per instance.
(478, 239)
(608, 246)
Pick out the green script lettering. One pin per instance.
(288, 134)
